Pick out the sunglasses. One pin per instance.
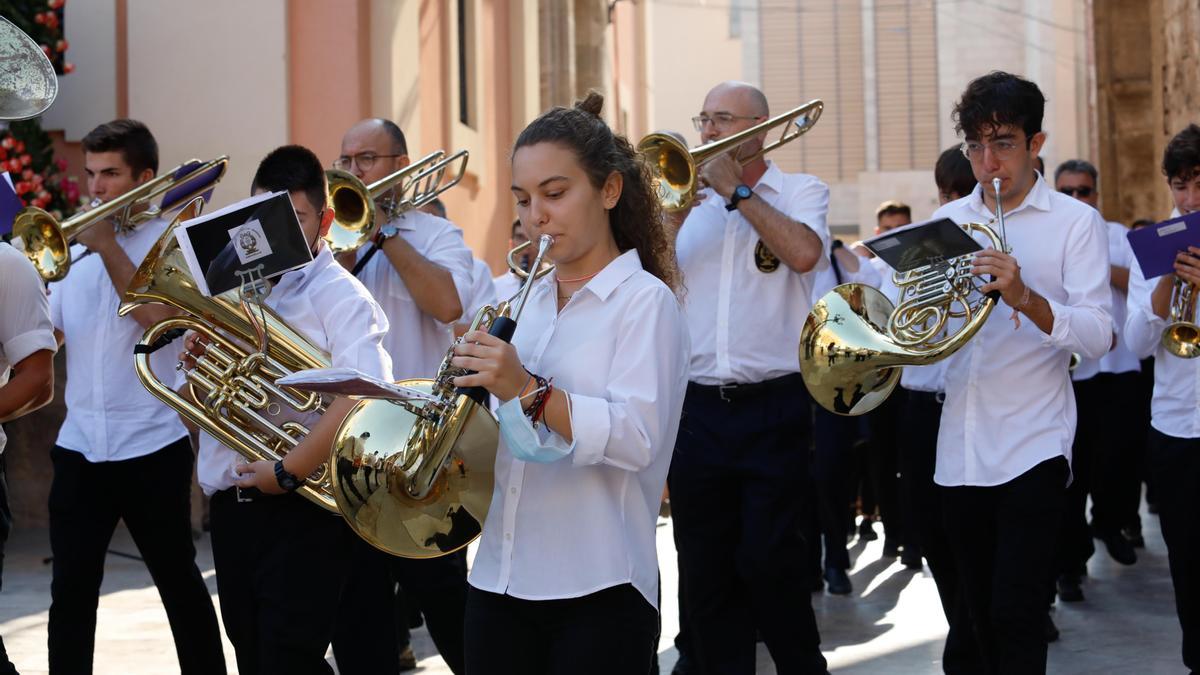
(1082, 191)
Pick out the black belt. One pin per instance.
(938, 396)
(736, 391)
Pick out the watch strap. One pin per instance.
(287, 481)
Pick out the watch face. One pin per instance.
(743, 192)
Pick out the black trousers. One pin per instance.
(925, 518)
(281, 563)
(1128, 413)
(609, 632)
(737, 481)
(831, 471)
(880, 466)
(1075, 545)
(6, 666)
(1003, 537)
(152, 494)
(365, 638)
(1174, 472)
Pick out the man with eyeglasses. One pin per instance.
(1106, 439)
(1004, 441)
(749, 251)
(419, 269)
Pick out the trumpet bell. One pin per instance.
(670, 161)
(845, 354)
(43, 242)
(381, 451)
(353, 208)
(1182, 339)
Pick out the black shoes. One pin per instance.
(1049, 630)
(912, 561)
(890, 548)
(838, 582)
(1069, 589)
(1118, 546)
(865, 531)
(1134, 537)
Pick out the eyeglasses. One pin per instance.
(364, 160)
(720, 120)
(1001, 150)
(1084, 191)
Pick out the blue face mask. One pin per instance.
(522, 439)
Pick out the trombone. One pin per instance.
(353, 203)
(676, 168)
(47, 242)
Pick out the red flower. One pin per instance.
(7, 143)
(68, 68)
(61, 164)
(39, 19)
(60, 46)
(46, 51)
(27, 174)
(38, 179)
(22, 187)
(14, 165)
(20, 146)
(25, 160)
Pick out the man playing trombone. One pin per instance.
(120, 454)
(748, 252)
(419, 269)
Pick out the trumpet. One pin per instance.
(353, 203)
(1181, 337)
(47, 242)
(676, 167)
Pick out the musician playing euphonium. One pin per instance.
(279, 557)
(120, 454)
(590, 391)
(420, 271)
(1173, 450)
(1005, 438)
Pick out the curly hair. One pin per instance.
(636, 220)
(999, 99)
(1181, 157)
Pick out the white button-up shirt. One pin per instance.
(1120, 359)
(418, 342)
(25, 327)
(482, 290)
(586, 522)
(745, 322)
(1175, 404)
(110, 415)
(325, 304)
(1009, 404)
(506, 286)
(826, 279)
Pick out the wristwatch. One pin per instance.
(386, 232)
(739, 193)
(286, 480)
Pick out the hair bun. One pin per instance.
(593, 103)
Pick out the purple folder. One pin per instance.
(174, 198)
(1155, 247)
(10, 205)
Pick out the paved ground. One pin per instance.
(891, 624)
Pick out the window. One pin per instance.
(466, 62)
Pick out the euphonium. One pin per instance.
(47, 243)
(235, 398)
(1181, 337)
(415, 185)
(676, 168)
(855, 342)
(428, 494)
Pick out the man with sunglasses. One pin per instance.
(1106, 391)
(419, 269)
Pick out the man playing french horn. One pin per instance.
(1009, 416)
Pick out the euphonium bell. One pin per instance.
(425, 491)
(353, 204)
(30, 84)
